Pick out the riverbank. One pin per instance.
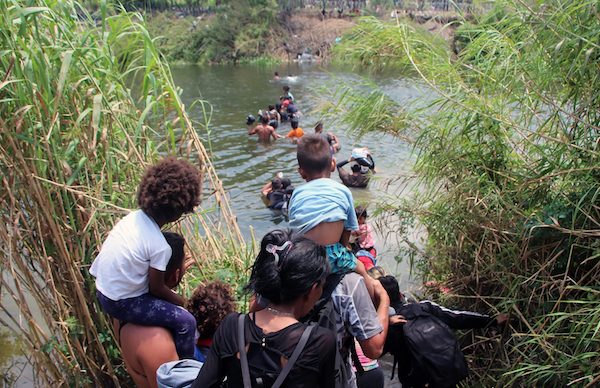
(240, 37)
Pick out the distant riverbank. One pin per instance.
(271, 37)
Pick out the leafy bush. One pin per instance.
(506, 146)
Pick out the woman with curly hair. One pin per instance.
(130, 268)
(209, 304)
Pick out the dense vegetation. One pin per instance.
(78, 125)
(246, 31)
(507, 167)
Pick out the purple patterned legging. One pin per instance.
(151, 311)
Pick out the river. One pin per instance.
(245, 165)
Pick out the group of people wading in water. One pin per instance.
(279, 190)
(313, 302)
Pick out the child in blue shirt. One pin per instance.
(323, 209)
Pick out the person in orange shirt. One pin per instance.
(296, 132)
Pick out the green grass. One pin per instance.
(507, 172)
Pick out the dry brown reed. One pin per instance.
(78, 124)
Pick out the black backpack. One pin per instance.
(426, 350)
(323, 314)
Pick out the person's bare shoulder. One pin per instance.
(145, 349)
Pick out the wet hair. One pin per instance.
(286, 88)
(264, 119)
(391, 286)
(271, 107)
(276, 183)
(176, 242)
(169, 189)
(285, 182)
(360, 211)
(294, 123)
(318, 127)
(329, 139)
(278, 106)
(314, 154)
(276, 73)
(209, 304)
(355, 168)
(376, 272)
(300, 265)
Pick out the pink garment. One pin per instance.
(365, 236)
(365, 361)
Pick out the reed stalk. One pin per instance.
(83, 109)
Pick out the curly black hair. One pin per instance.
(209, 304)
(169, 189)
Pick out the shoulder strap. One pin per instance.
(242, 351)
(299, 347)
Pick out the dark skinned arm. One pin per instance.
(373, 347)
(159, 289)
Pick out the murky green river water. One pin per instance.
(245, 165)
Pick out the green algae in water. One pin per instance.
(10, 349)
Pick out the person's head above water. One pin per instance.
(287, 267)
(169, 189)
(276, 184)
(355, 168)
(319, 127)
(271, 107)
(264, 119)
(285, 182)
(294, 123)
(209, 304)
(314, 157)
(286, 89)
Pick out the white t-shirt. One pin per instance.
(133, 246)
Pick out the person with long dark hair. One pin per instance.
(289, 272)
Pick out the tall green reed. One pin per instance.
(506, 145)
(79, 122)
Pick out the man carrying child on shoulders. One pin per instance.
(323, 210)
